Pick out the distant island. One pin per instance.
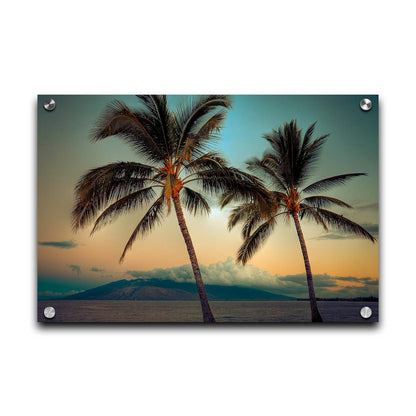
(357, 299)
(157, 289)
(160, 289)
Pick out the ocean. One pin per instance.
(106, 311)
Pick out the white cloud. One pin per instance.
(228, 273)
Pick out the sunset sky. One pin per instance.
(69, 262)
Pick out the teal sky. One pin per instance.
(65, 153)
(351, 147)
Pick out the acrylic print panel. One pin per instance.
(246, 208)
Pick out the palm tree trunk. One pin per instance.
(316, 316)
(206, 310)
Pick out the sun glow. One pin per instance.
(215, 212)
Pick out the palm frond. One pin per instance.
(308, 157)
(318, 201)
(242, 213)
(209, 160)
(308, 137)
(190, 117)
(138, 128)
(327, 183)
(226, 198)
(157, 105)
(194, 202)
(272, 161)
(339, 222)
(255, 241)
(252, 221)
(225, 180)
(123, 205)
(214, 123)
(152, 217)
(278, 196)
(311, 213)
(196, 144)
(291, 157)
(278, 142)
(102, 185)
(268, 168)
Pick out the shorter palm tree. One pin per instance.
(285, 168)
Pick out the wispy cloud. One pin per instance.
(95, 269)
(75, 268)
(370, 227)
(59, 244)
(361, 280)
(50, 294)
(229, 273)
(334, 236)
(373, 206)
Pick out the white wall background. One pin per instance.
(193, 47)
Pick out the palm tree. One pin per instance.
(285, 168)
(175, 152)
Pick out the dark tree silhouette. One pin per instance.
(177, 150)
(285, 167)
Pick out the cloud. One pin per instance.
(370, 227)
(334, 236)
(229, 273)
(373, 206)
(50, 294)
(59, 244)
(75, 268)
(95, 269)
(362, 280)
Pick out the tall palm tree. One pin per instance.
(285, 167)
(175, 152)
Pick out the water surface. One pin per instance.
(190, 311)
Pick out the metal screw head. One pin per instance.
(49, 312)
(366, 104)
(366, 312)
(49, 104)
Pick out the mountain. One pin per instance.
(156, 289)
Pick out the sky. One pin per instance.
(342, 264)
